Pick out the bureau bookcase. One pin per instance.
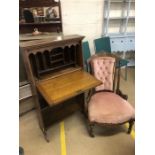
(55, 71)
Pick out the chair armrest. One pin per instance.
(124, 96)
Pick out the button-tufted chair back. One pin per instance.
(103, 69)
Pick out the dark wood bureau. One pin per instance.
(55, 71)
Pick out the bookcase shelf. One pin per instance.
(118, 15)
(43, 15)
(119, 25)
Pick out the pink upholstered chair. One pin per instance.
(107, 105)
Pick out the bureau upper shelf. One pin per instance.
(53, 56)
(43, 35)
(49, 41)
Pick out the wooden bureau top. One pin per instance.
(50, 41)
(64, 87)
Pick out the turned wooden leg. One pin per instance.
(90, 130)
(130, 126)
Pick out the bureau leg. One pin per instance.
(81, 101)
(45, 134)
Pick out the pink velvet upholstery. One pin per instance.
(103, 68)
(108, 107)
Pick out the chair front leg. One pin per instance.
(90, 129)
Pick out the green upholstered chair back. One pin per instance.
(102, 44)
(86, 53)
(86, 50)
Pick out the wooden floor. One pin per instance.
(74, 138)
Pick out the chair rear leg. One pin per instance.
(90, 129)
(130, 126)
(126, 72)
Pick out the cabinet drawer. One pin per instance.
(130, 43)
(118, 44)
(122, 44)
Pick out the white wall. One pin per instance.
(84, 17)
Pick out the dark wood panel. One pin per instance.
(22, 71)
(59, 112)
(43, 27)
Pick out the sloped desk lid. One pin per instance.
(64, 87)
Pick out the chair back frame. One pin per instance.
(116, 73)
(117, 91)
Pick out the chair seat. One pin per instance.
(108, 107)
